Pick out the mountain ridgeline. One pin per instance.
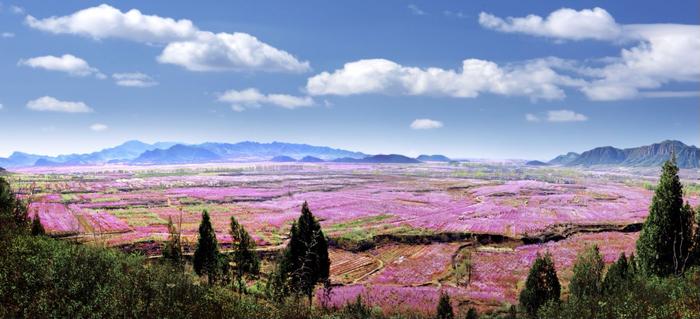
(650, 155)
(139, 153)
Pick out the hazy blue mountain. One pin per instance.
(311, 159)
(282, 159)
(389, 158)
(178, 154)
(564, 159)
(433, 158)
(536, 163)
(252, 151)
(120, 153)
(649, 155)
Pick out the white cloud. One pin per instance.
(531, 117)
(250, 98)
(105, 21)
(565, 23)
(670, 94)
(535, 79)
(7, 35)
(98, 127)
(565, 116)
(667, 53)
(416, 10)
(186, 45)
(425, 124)
(66, 63)
(230, 52)
(135, 79)
(662, 53)
(51, 104)
(17, 10)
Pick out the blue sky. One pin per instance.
(506, 79)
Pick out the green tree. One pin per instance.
(37, 229)
(664, 243)
(541, 286)
(206, 256)
(617, 277)
(172, 251)
(695, 256)
(305, 261)
(444, 307)
(13, 212)
(587, 281)
(244, 257)
(472, 314)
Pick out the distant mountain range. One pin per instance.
(136, 152)
(433, 158)
(650, 155)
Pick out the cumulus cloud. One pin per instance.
(135, 79)
(531, 117)
(661, 53)
(564, 23)
(66, 63)
(425, 124)
(185, 44)
(534, 79)
(565, 116)
(98, 127)
(251, 98)
(51, 104)
(229, 52)
(666, 53)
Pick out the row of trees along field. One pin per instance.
(41, 277)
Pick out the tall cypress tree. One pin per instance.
(172, 251)
(664, 243)
(245, 258)
(444, 307)
(587, 281)
(542, 285)
(206, 257)
(305, 262)
(37, 228)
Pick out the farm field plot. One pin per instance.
(399, 234)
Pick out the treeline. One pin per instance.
(41, 277)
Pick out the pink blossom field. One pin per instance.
(396, 231)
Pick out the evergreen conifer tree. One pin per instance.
(13, 212)
(542, 285)
(37, 228)
(663, 247)
(305, 262)
(244, 257)
(444, 307)
(617, 277)
(586, 283)
(206, 256)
